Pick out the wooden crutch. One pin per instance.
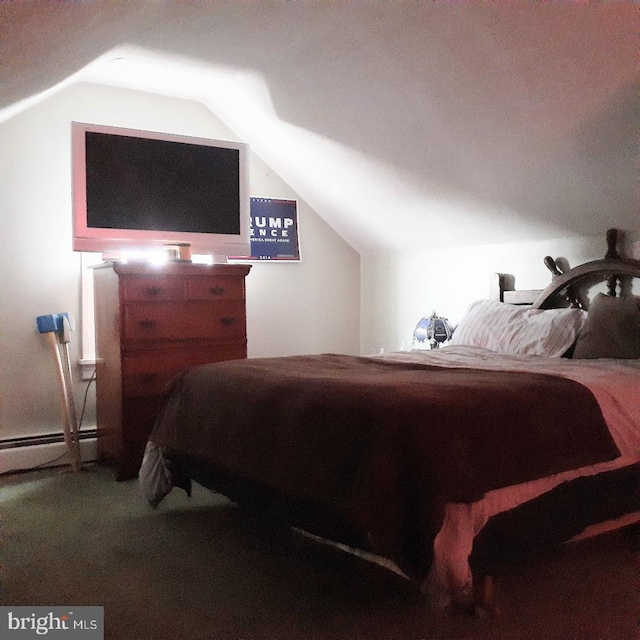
(53, 327)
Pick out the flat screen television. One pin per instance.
(135, 190)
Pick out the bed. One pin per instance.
(437, 463)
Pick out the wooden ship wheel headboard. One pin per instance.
(565, 286)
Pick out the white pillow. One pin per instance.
(513, 329)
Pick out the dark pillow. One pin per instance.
(612, 329)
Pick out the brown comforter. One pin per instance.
(383, 444)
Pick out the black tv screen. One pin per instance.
(139, 183)
(157, 188)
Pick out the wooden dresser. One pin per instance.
(151, 323)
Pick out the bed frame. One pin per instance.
(566, 287)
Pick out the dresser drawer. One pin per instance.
(184, 321)
(148, 373)
(215, 288)
(150, 288)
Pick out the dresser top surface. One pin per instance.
(175, 269)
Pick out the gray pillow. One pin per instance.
(612, 329)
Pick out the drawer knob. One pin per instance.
(147, 324)
(216, 291)
(154, 291)
(228, 321)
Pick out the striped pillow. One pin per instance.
(511, 329)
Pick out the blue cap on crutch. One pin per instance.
(52, 322)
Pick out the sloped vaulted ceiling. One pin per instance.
(404, 124)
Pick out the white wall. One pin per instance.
(308, 307)
(399, 289)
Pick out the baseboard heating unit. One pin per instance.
(45, 450)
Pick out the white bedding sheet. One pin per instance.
(616, 387)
